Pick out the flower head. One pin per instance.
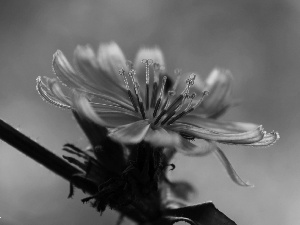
(134, 101)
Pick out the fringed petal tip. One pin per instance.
(268, 140)
(52, 93)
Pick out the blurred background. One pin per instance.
(257, 40)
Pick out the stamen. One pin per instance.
(189, 109)
(122, 73)
(158, 102)
(192, 96)
(178, 107)
(179, 98)
(147, 62)
(131, 74)
(156, 68)
(204, 93)
(169, 108)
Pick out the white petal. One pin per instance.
(84, 109)
(48, 96)
(163, 138)
(220, 126)
(230, 170)
(65, 72)
(111, 58)
(203, 148)
(72, 79)
(97, 79)
(248, 137)
(115, 118)
(131, 133)
(57, 91)
(219, 85)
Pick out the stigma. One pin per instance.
(160, 107)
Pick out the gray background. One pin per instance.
(258, 40)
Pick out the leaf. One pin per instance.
(201, 214)
(170, 220)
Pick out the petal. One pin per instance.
(131, 133)
(203, 148)
(269, 139)
(220, 126)
(57, 91)
(84, 109)
(161, 137)
(114, 118)
(47, 95)
(111, 58)
(219, 85)
(230, 170)
(106, 106)
(97, 79)
(231, 138)
(65, 72)
(72, 79)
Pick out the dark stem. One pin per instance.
(56, 164)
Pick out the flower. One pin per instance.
(134, 101)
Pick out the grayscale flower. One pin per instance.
(135, 103)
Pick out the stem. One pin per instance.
(56, 164)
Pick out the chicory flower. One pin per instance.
(140, 101)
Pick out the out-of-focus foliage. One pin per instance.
(256, 40)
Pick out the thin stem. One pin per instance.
(56, 164)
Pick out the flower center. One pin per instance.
(161, 109)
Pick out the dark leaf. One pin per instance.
(170, 220)
(202, 214)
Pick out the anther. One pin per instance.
(122, 73)
(189, 82)
(147, 62)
